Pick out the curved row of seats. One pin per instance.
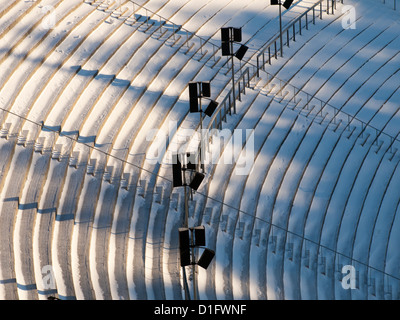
(347, 165)
(151, 272)
(58, 67)
(103, 241)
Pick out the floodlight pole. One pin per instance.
(201, 136)
(193, 266)
(233, 78)
(186, 225)
(186, 222)
(185, 284)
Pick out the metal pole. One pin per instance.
(186, 225)
(280, 28)
(185, 284)
(186, 222)
(201, 136)
(233, 78)
(193, 267)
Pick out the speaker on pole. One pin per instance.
(206, 89)
(193, 97)
(211, 108)
(206, 258)
(177, 173)
(225, 34)
(287, 3)
(184, 246)
(195, 183)
(199, 236)
(241, 52)
(274, 2)
(237, 34)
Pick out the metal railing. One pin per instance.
(314, 108)
(394, 4)
(166, 23)
(226, 104)
(310, 106)
(272, 48)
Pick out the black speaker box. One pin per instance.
(184, 247)
(241, 52)
(206, 258)
(176, 172)
(196, 181)
(199, 236)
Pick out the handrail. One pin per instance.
(272, 238)
(273, 41)
(176, 27)
(229, 97)
(394, 4)
(286, 29)
(292, 25)
(226, 104)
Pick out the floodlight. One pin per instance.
(237, 34)
(287, 3)
(199, 236)
(241, 52)
(225, 34)
(184, 246)
(211, 108)
(195, 183)
(273, 2)
(206, 258)
(177, 173)
(206, 89)
(193, 97)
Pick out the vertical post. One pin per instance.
(233, 74)
(294, 32)
(201, 158)
(280, 28)
(287, 37)
(313, 12)
(306, 20)
(185, 284)
(269, 55)
(320, 10)
(300, 26)
(193, 266)
(185, 225)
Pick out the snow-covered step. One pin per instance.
(10, 199)
(23, 232)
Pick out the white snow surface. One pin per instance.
(94, 102)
